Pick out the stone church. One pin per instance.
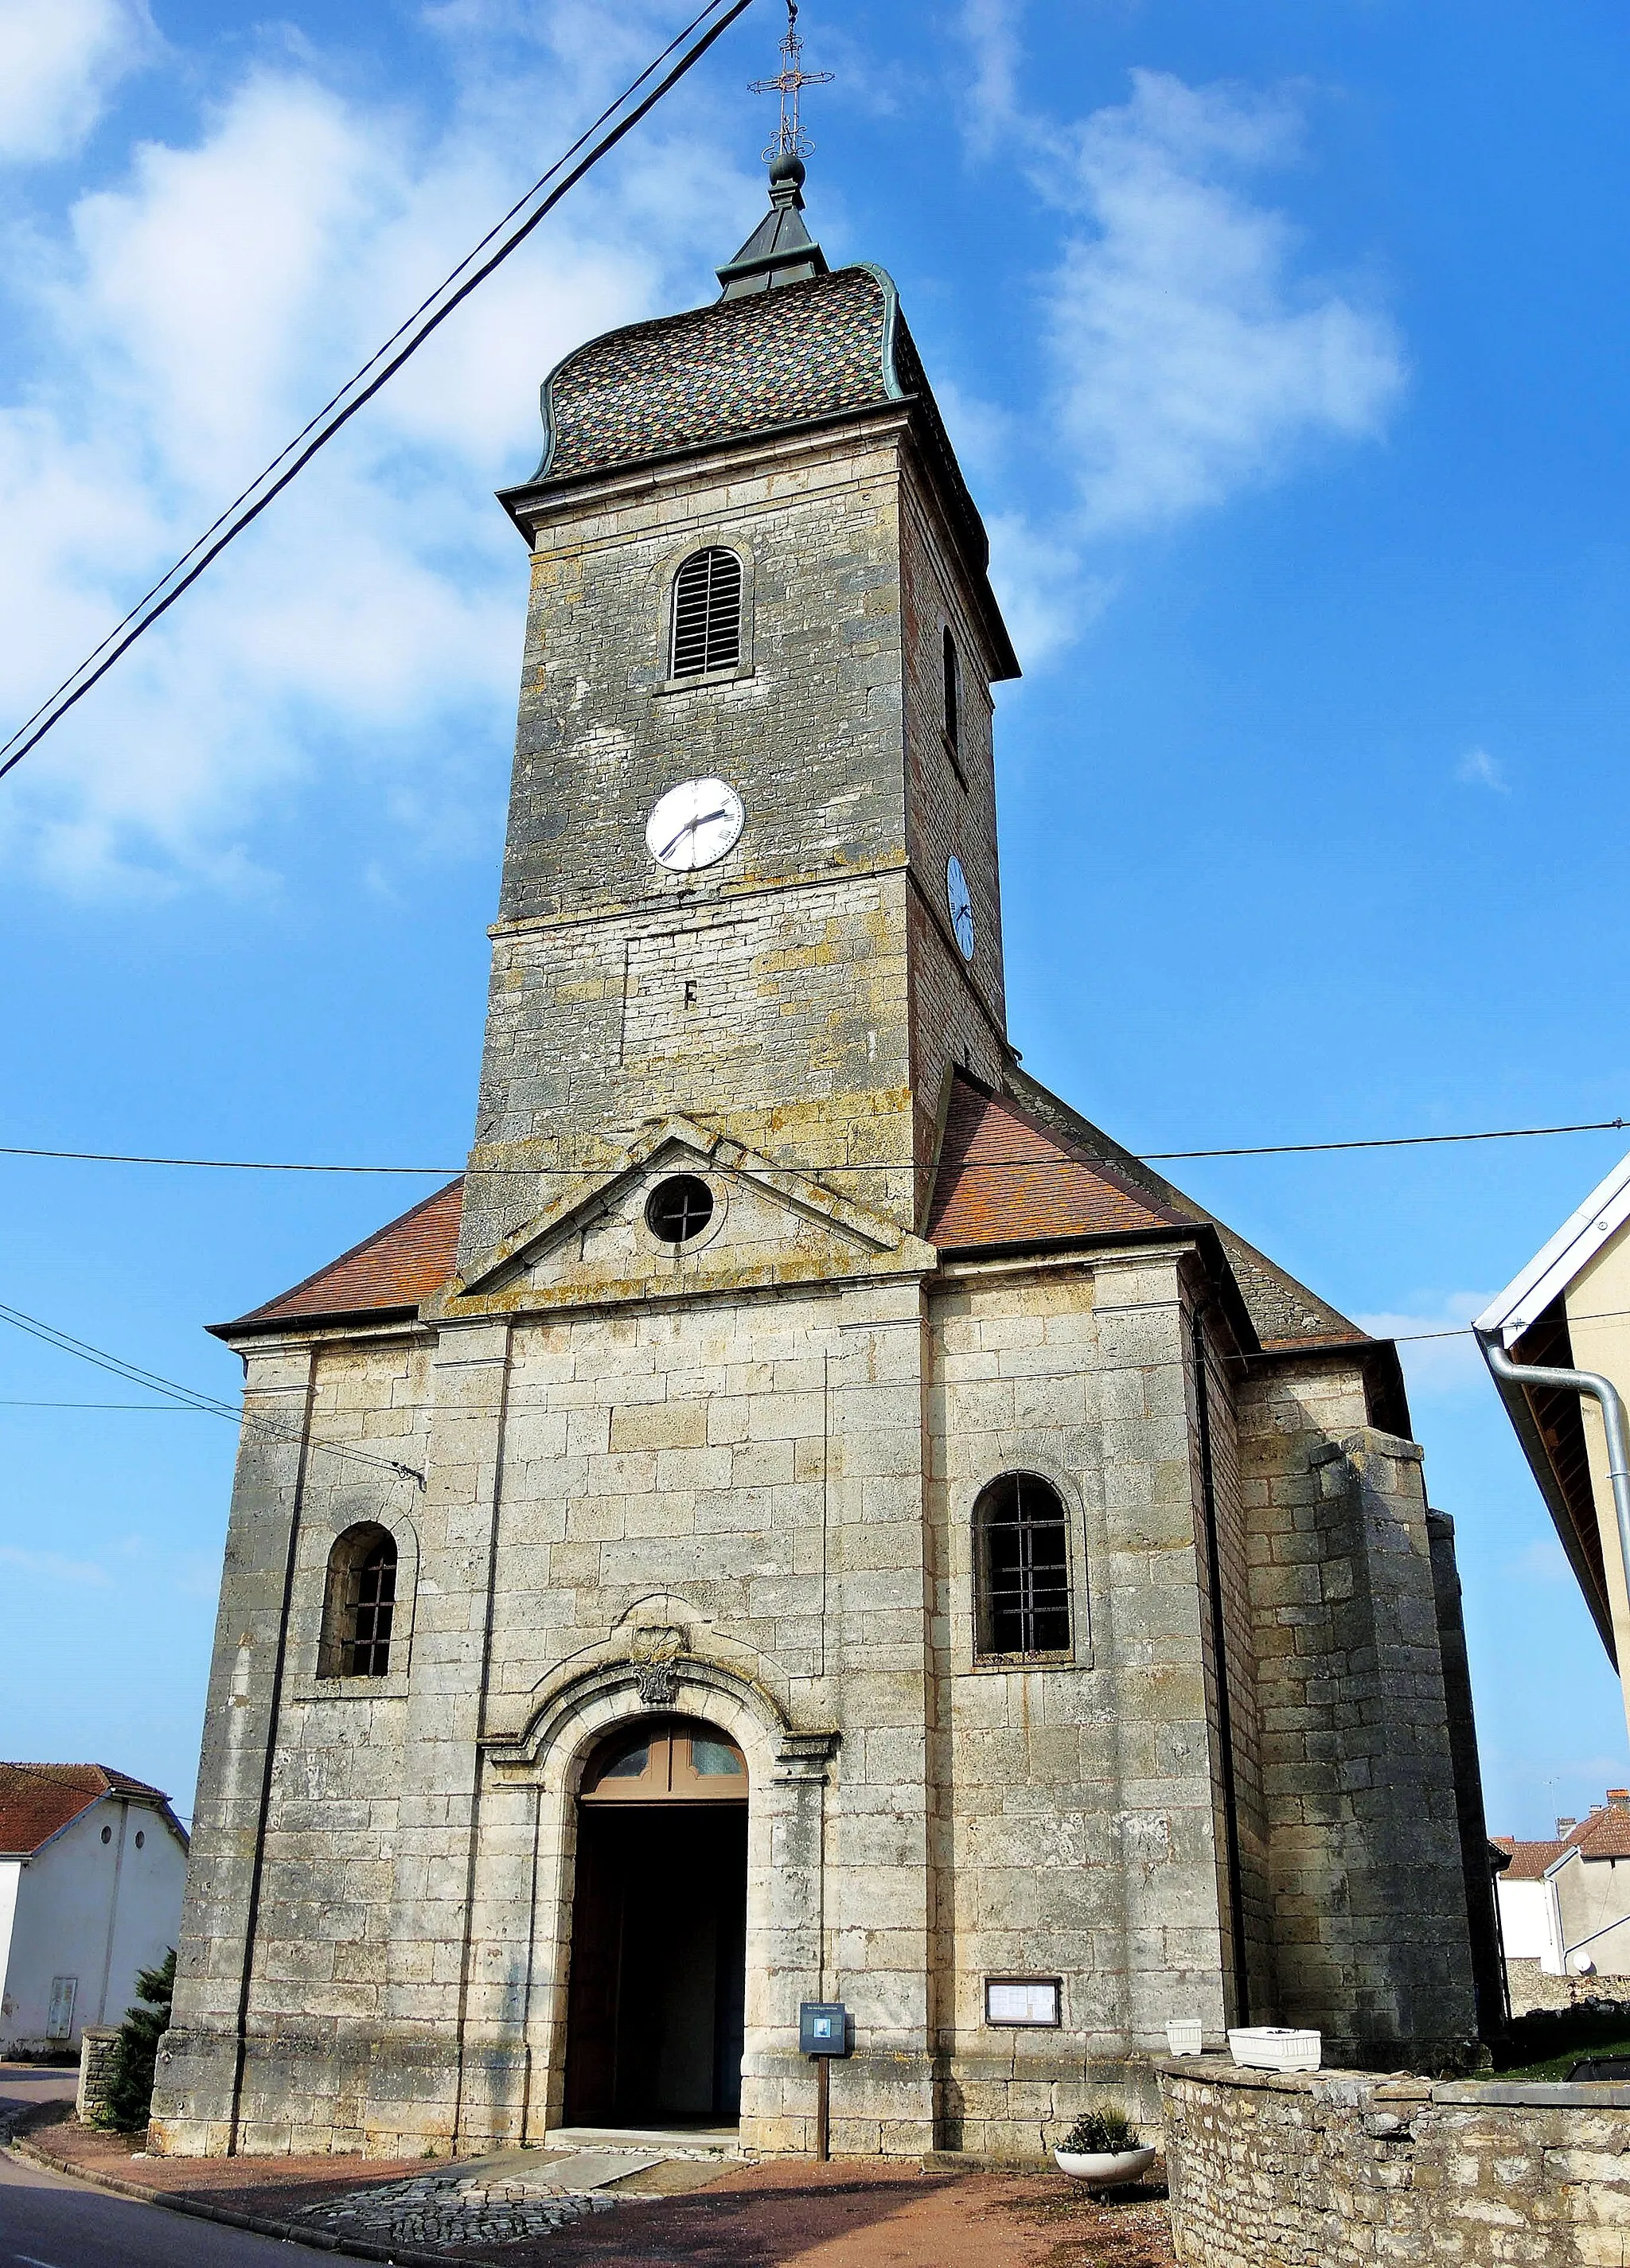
(806, 1517)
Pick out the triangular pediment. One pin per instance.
(596, 1241)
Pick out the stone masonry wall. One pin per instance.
(1365, 1861)
(96, 2070)
(1076, 1796)
(594, 1013)
(1239, 1646)
(1340, 2170)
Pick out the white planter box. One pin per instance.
(1274, 2047)
(1103, 2169)
(1184, 2035)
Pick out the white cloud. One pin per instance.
(1048, 596)
(1477, 769)
(1439, 1354)
(52, 1567)
(59, 62)
(1192, 361)
(1542, 1561)
(187, 323)
(989, 92)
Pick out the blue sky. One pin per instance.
(1285, 347)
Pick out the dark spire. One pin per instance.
(781, 250)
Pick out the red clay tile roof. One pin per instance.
(37, 1801)
(1287, 1315)
(388, 1273)
(1005, 1178)
(1604, 1835)
(1529, 1860)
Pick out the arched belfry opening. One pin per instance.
(658, 1929)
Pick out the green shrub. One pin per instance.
(1099, 2131)
(135, 2052)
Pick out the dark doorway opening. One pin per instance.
(658, 1941)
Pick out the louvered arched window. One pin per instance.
(707, 613)
(1022, 1561)
(953, 692)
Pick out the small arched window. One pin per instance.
(953, 692)
(1022, 1557)
(707, 613)
(361, 1603)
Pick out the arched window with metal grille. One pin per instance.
(361, 1603)
(1022, 1561)
(707, 613)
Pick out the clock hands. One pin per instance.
(702, 819)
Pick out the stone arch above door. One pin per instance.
(574, 1714)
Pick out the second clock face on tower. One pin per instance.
(695, 824)
(960, 905)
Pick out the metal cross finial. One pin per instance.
(792, 141)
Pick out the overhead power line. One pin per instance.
(824, 1165)
(517, 224)
(191, 1397)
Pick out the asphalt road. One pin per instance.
(49, 2221)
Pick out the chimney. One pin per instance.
(1618, 1794)
(1564, 1828)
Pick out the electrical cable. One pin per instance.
(339, 410)
(832, 1165)
(191, 1397)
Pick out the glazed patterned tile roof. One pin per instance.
(1006, 1179)
(1529, 1860)
(39, 1800)
(387, 1273)
(735, 367)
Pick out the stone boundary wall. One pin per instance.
(96, 2070)
(1343, 2169)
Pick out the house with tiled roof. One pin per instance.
(92, 1868)
(1566, 1903)
(806, 1517)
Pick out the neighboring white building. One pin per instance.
(92, 1868)
(1566, 1904)
(1528, 1914)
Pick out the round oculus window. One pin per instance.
(679, 1208)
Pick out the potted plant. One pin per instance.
(1102, 2149)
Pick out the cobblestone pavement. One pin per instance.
(445, 2208)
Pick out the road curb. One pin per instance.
(13, 2138)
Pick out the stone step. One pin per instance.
(651, 2142)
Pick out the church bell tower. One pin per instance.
(750, 875)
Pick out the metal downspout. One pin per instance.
(1604, 1393)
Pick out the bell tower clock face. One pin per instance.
(960, 906)
(695, 824)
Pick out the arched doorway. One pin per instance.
(658, 1929)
